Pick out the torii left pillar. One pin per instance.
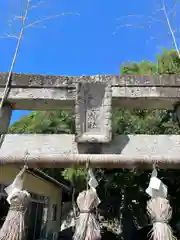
(5, 117)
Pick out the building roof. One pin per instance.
(41, 174)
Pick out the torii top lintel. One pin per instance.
(52, 81)
(46, 92)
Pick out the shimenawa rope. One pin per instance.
(14, 224)
(87, 226)
(160, 213)
(159, 209)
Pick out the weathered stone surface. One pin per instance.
(51, 81)
(55, 99)
(93, 112)
(57, 92)
(40, 99)
(5, 117)
(41, 92)
(21, 80)
(63, 151)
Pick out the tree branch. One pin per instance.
(6, 90)
(170, 28)
(45, 19)
(153, 19)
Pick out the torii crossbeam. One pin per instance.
(93, 98)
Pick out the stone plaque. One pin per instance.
(93, 112)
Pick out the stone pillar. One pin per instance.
(5, 117)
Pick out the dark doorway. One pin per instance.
(34, 220)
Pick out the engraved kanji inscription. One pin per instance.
(93, 112)
(92, 119)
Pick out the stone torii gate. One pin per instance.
(93, 98)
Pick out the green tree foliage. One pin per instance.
(45, 122)
(117, 182)
(144, 67)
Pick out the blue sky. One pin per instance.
(83, 44)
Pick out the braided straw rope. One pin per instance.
(87, 226)
(14, 225)
(160, 213)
